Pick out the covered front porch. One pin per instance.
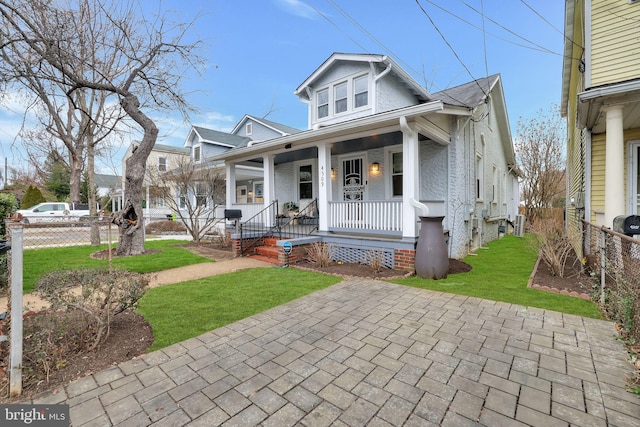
(368, 183)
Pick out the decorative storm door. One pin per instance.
(353, 188)
(353, 179)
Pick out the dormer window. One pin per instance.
(340, 98)
(323, 103)
(343, 97)
(360, 91)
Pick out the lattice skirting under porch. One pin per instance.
(361, 256)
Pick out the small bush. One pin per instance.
(159, 227)
(320, 253)
(554, 246)
(96, 294)
(374, 259)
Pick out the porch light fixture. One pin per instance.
(333, 173)
(375, 167)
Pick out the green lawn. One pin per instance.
(166, 254)
(188, 309)
(500, 273)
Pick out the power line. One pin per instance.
(484, 40)
(550, 24)
(337, 27)
(540, 48)
(450, 47)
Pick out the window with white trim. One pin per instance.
(201, 194)
(396, 173)
(196, 154)
(479, 176)
(249, 129)
(494, 185)
(361, 91)
(162, 164)
(305, 182)
(322, 99)
(340, 98)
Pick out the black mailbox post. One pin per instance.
(234, 215)
(628, 225)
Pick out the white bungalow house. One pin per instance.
(381, 151)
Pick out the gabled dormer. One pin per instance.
(259, 129)
(348, 86)
(205, 142)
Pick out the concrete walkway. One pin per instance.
(364, 352)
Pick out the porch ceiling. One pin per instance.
(593, 104)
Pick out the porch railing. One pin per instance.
(261, 224)
(301, 224)
(376, 216)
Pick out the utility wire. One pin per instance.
(484, 40)
(550, 24)
(541, 48)
(450, 47)
(338, 28)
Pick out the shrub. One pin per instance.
(32, 197)
(554, 246)
(374, 259)
(96, 294)
(320, 253)
(165, 226)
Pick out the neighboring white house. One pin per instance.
(110, 186)
(201, 144)
(378, 145)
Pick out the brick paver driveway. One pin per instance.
(364, 352)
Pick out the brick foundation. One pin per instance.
(404, 259)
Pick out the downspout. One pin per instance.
(424, 209)
(374, 90)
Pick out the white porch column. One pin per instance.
(231, 184)
(324, 185)
(410, 178)
(268, 168)
(614, 166)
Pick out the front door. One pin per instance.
(241, 194)
(353, 179)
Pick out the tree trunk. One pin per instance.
(131, 219)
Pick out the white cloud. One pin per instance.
(297, 8)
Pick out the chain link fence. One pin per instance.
(62, 232)
(614, 259)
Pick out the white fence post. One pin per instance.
(15, 356)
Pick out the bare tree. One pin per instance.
(192, 191)
(140, 62)
(540, 151)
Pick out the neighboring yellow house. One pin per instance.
(601, 102)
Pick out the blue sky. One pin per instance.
(259, 51)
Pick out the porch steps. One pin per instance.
(268, 252)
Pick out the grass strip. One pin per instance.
(188, 309)
(500, 273)
(163, 255)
